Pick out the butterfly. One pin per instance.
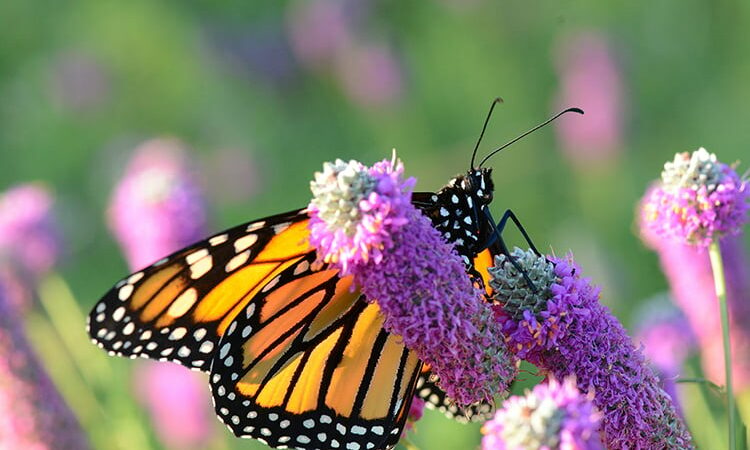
(296, 357)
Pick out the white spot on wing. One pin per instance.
(256, 226)
(118, 314)
(196, 255)
(217, 240)
(237, 261)
(244, 242)
(135, 277)
(201, 267)
(125, 292)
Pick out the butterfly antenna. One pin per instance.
(575, 110)
(481, 135)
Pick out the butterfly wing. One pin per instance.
(178, 308)
(309, 365)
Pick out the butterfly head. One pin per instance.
(479, 185)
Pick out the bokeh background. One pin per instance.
(250, 98)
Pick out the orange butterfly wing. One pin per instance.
(318, 371)
(178, 308)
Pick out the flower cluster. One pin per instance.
(362, 220)
(553, 415)
(355, 210)
(698, 200)
(572, 333)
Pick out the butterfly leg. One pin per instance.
(497, 238)
(510, 215)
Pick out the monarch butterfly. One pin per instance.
(295, 356)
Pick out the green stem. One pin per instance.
(721, 294)
(708, 383)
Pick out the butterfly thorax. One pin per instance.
(457, 212)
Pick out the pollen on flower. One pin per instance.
(337, 192)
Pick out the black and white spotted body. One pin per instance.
(458, 212)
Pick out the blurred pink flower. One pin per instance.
(590, 79)
(318, 30)
(28, 230)
(370, 74)
(688, 270)
(667, 339)
(178, 403)
(665, 334)
(158, 206)
(30, 240)
(156, 209)
(32, 413)
(325, 37)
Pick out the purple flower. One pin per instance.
(178, 404)
(667, 340)
(370, 74)
(32, 413)
(552, 416)
(29, 234)
(362, 220)
(157, 207)
(698, 200)
(30, 240)
(416, 410)
(318, 30)
(590, 78)
(355, 210)
(428, 300)
(569, 332)
(666, 335)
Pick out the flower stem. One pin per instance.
(721, 294)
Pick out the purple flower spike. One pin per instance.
(698, 200)
(363, 222)
(158, 206)
(32, 413)
(30, 240)
(570, 333)
(552, 416)
(428, 300)
(355, 210)
(29, 235)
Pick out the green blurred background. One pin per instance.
(82, 83)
